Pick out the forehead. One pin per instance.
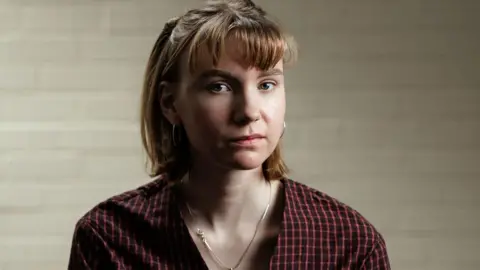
(232, 59)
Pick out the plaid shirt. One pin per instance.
(143, 229)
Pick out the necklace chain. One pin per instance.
(201, 234)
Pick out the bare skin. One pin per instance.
(230, 227)
(225, 185)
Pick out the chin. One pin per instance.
(246, 160)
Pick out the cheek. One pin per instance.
(210, 118)
(204, 118)
(274, 108)
(213, 110)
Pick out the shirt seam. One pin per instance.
(88, 223)
(376, 245)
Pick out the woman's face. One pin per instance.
(233, 115)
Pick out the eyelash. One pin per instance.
(221, 83)
(269, 82)
(210, 85)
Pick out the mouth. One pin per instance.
(247, 140)
(249, 137)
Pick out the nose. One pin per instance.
(247, 106)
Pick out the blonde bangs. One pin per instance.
(260, 45)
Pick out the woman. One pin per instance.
(213, 112)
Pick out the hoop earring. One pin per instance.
(174, 135)
(284, 127)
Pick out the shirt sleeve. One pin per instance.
(377, 259)
(88, 250)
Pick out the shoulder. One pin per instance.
(138, 203)
(121, 224)
(328, 214)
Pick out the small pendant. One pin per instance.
(201, 234)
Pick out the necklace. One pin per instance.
(201, 234)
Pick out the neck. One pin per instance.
(220, 196)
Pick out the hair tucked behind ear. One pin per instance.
(261, 42)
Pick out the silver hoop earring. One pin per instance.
(284, 127)
(174, 135)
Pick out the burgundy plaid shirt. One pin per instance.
(143, 229)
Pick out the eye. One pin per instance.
(218, 87)
(266, 86)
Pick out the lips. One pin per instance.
(248, 138)
(248, 141)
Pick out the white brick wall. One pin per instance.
(383, 113)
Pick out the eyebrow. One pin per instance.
(222, 73)
(216, 73)
(272, 72)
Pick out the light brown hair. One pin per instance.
(262, 43)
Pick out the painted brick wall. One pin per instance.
(383, 113)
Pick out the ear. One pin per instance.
(167, 102)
